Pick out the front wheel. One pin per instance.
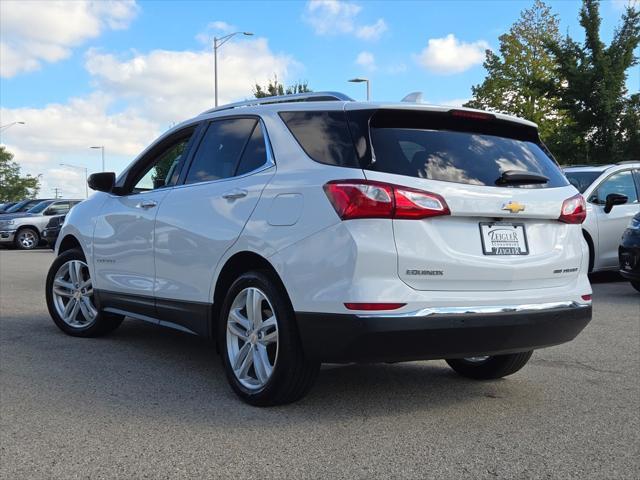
(27, 239)
(259, 343)
(490, 367)
(70, 298)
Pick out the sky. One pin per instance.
(119, 73)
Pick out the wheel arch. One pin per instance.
(67, 243)
(234, 266)
(592, 252)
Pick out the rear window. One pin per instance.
(461, 157)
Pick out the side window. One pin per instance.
(58, 208)
(255, 153)
(621, 182)
(324, 136)
(220, 149)
(163, 171)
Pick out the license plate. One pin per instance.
(503, 239)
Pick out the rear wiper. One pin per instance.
(518, 177)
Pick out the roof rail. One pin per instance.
(297, 97)
(627, 162)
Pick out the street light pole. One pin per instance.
(101, 147)
(217, 43)
(86, 176)
(363, 80)
(9, 125)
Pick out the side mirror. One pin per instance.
(48, 212)
(102, 182)
(614, 199)
(158, 183)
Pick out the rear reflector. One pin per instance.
(374, 306)
(586, 298)
(574, 210)
(368, 199)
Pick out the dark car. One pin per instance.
(6, 206)
(629, 253)
(51, 231)
(23, 206)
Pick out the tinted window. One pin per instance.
(23, 206)
(40, 206)
(621, 182)
(324, 136)
(163, 171)
(461, 157)
(58, 208)
(582, 180)
(218, 153)
(255, 153)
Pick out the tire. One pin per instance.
(491, 367)
(275, 370)
(636, 285)
(88, 321)
(26, 239)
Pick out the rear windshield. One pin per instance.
(460, 157)
(38, 208)
(582, 180)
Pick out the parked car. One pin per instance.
(629, 252)
(387, 232)
(52, 229)
(24, 230)
(5, 206)
(612, 193)
(22, 206)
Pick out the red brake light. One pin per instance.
(367, 199)
(374, 306)
(472, 115)
(574, 210)
(586, 298)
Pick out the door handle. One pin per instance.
(147, 204)
(235, 194)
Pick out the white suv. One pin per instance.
(613, 198)
(306, 229)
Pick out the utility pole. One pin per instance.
(56, 190)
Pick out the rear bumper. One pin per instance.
(440, 333)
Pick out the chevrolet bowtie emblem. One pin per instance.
(513, 207)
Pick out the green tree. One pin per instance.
(593, 89)
(13, 186)
(519, 77)
(274, 87)
(630, 129)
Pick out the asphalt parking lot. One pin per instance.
(147, 402)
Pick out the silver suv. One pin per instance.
(24, 230)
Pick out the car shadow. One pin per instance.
(141, 369)
(606, 277)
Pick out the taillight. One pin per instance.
(368, 199)
(574, 210)
(471, 115)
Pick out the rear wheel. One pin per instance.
(27, 239)
(70, 298)
(490, 367)
(259, 343)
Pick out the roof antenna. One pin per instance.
(413, 97)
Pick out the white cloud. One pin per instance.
(172, 85)
(334, 17)
(136, 97)
(372, 32)
(36, 32)
(366, 60)
(449, 55)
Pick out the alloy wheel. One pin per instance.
(27, 239)
(73, 294)
(252, 338)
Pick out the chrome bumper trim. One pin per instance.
(479, 310)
